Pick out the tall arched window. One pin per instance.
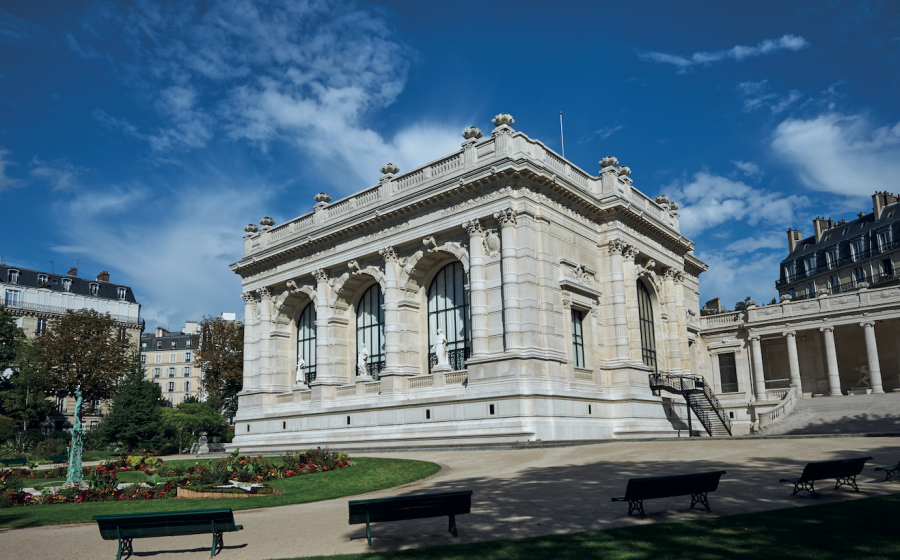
(306, 341)
(448, 310)
(370, 329)
(648, 340)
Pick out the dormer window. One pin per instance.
(173, 345)
(67, 284)
(95, 289)
(844, 232)
(13, 276)
(43, 281)
(891, 213)
(159, 344)
(121, 293)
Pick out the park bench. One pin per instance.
(889, 471)
(844, 471)
(13, 462)
(59, 458)
(421, 506)
(126, 527)
(696, 485)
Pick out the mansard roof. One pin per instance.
(845, 231)
(80, 286)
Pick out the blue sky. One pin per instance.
(141, 137)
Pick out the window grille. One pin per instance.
(448, 310)
(370, 329)
(578, 338)
(648, 337)
(306, 341)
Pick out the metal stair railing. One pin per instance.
(690, 387)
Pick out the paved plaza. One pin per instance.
(517, 493)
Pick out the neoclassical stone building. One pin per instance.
(497, 294)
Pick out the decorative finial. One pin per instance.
(322, 197)
(251, 228)
(503, 118)
(389, 169)
(609, 161)
(267, 221)
(473, 132)
(662, 199)
(624, 171)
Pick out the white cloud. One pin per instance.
(60, 174)
(748, 168)
(841, 154)
(756, 95)
(604, 132)
(771, 240)
(7, 182)
(708, 201)
(310, 74)
(734, 277)
(736, 53)
(17, 30)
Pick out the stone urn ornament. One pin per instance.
(472, 133)
(503, 119)
(267, 221)
(251, 228)
(389, 169)
(609, 161)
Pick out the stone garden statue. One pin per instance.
(73, 475)
(362, 361)
(301, 366)
(440, 348)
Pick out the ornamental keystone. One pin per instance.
(267, 221)
(389, 169)
(472, 133)
(503, 118)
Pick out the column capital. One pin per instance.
(264, 293)
(388, 253)
(630, 252)
(867, 324)
(824, 328)
(789, 333)
(474, 228)
(616, 247)
(321, 275)
(670, 273)
(248, 297)
(506, 217)
(754, 337)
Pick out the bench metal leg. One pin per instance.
(453, 525)
(807, 486)
(636, 505)
(889, 474)
(846, 481)
(700, 499)
(124, 547)
(368, 531)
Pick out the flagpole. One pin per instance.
(561, 136)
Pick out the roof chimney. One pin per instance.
(820, 225)
(830, 223)
(73, 271)
(103, 277)
(794, 237)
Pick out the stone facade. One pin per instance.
(556, 294)
(168, 359)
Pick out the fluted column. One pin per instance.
(633, 313)
(793, 361)
(872, 353)
(512, 318)
(324, 369)
(391, 311)
(673, 334)
(759, 376)
(834, 377)
(681, 316)
(477, 288)
(620, 314)
(266, 353)
(251, 365)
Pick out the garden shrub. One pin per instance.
(7, 428)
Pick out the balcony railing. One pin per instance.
(41, 308)
(862, 255)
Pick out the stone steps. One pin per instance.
(860, 414)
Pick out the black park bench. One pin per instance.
(14, 462)
(166, 524)
(889, 470)
(843, 470)
(421, 506)
(695, 485)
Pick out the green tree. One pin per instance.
(23, 395)
(742, 305)
(134, 415)
(188, 419)
(11, 337)
(85, 348)
(221, 359)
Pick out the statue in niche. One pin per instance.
(864, 377)
(362, 361)
(301, 366)
(440, 348)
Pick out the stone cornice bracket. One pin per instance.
(506, 217)
(321, 275)
(827, 328)
(430, 243)
(388, 253)
(353, 266)
(616, 247)
(789, 333)
(474, 228)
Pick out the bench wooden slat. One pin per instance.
(401, 508)
(843, 470)
(696, 485)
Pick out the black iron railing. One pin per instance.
(457, 359)
(41, 308)
(698, 395)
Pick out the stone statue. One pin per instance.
(440, 348)
(864, 377)
(73, 474)
(362, 361)
(301, 367)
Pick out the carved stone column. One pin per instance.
(872, 353)
(391, 311)
(793, 361)
(477, 288)
(631, 304)
(620, 314)
(251, 366)
(834, 377)
(681, 315)
(325, 374)
(759, 375)
(509, 253)
(672, 331)
(265, 327)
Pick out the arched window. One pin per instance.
(370, 329)
(448, 310)
(306, 341)
(648, 340)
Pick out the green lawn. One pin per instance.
(863, 529)
(367, 475)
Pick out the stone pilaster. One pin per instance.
(620, 314)
(672, 325)
(793, 361)
(512, 319)
(631, 304)
(681, 315)
(834, 376)
(266, 352)
(326, 377)
(759, 376)
(872, 353)
(477, 288)
(251, 365)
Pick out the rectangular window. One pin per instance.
(728, 373)
(792, 293)
(159, 344)
(13, 276)
(122, 293)
(95, 289)
(67, 284)
(42, 280)
(173, 344)
(577, 338)
(809, 264)
(884, 240)
(887, 267)
(171, 386)
(187, 386)
(157, 372)
(811, 289)
(835, 283)
(143, 344)
(186, 371)
(790, 270)
(187, 356)
(172, 358)
(187, 343)
(171, 372)
(13, 298)
(859, 274)
(158, 359)
(831, 257)
(61, 404)
(41, 325)
(95, 423)
(856, 249)
(143, 358)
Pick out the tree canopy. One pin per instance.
(221, 359)
(190, 418)
(11, 336)
(23, 394)
(135, 415)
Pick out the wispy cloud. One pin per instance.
(684, 63)
(60, 174)
(7, 182)
(748, 168)
(604, 133)
(17, 30)
(842, 154)
(756, 95)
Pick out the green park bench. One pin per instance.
(695, 485)
(889, 471)
(844, 471)
(421, 506)
(166, 524)
(14, 462)
(59, 458)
